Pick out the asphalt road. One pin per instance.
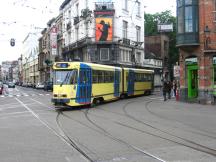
(141, 129)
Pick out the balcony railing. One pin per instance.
(104, 6)
(126, 41)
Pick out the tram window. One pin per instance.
(111, 76)
(94, 76)
(74, 77)
(108, 76)
(100, 77)
(148, 77)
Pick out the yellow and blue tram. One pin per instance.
(79, 83)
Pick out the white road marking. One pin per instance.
(40, 103)
(147, 153)
(62, 137)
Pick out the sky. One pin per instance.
(20, 17)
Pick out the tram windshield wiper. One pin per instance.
(66, 78)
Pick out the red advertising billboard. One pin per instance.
(104, 29)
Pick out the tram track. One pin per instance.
(71, 141)
(144, 152)
(196, 146)
(189, 125)
(60, 133)
(184, 142)
(199, 132)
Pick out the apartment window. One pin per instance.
(181, 20)
(138, 9)
(69, 37)
(125, 29)
(77, 9)
(188, 2)
(188, 19)
(77, 33)
(126, 4)
(138, 33)
(138, 57)
(69, 15)
(104, 54)
(125, 55)
(43, 43)
(180, 3)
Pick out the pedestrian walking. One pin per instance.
(169, 89)
(165, 89)
(174, 87)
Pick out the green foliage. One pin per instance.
(165, 17)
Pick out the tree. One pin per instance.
(165, 17)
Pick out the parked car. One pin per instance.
(24, 84)
(29, 84)
(48, 86)
(11, 85)
(39, 86)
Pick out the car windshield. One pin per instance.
(65, 77)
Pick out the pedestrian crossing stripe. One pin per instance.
(23, 95)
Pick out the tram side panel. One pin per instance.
(106, 83)
(137, 81)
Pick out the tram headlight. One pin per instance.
(63, 95)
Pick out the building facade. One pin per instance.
(103, 32)
(196, 26)
(157, 55)
(29, 59)
(50, 48)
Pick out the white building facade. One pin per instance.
(30, 59)
(107, 32)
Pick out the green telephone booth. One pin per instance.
(192, 75)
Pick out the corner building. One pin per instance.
(196, 39)
(105, 32)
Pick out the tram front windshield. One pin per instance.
(65, 77)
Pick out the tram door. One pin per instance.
(131, 78)
(84, 88)
(192, 83)
(116, 83)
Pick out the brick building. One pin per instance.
(196, 39)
